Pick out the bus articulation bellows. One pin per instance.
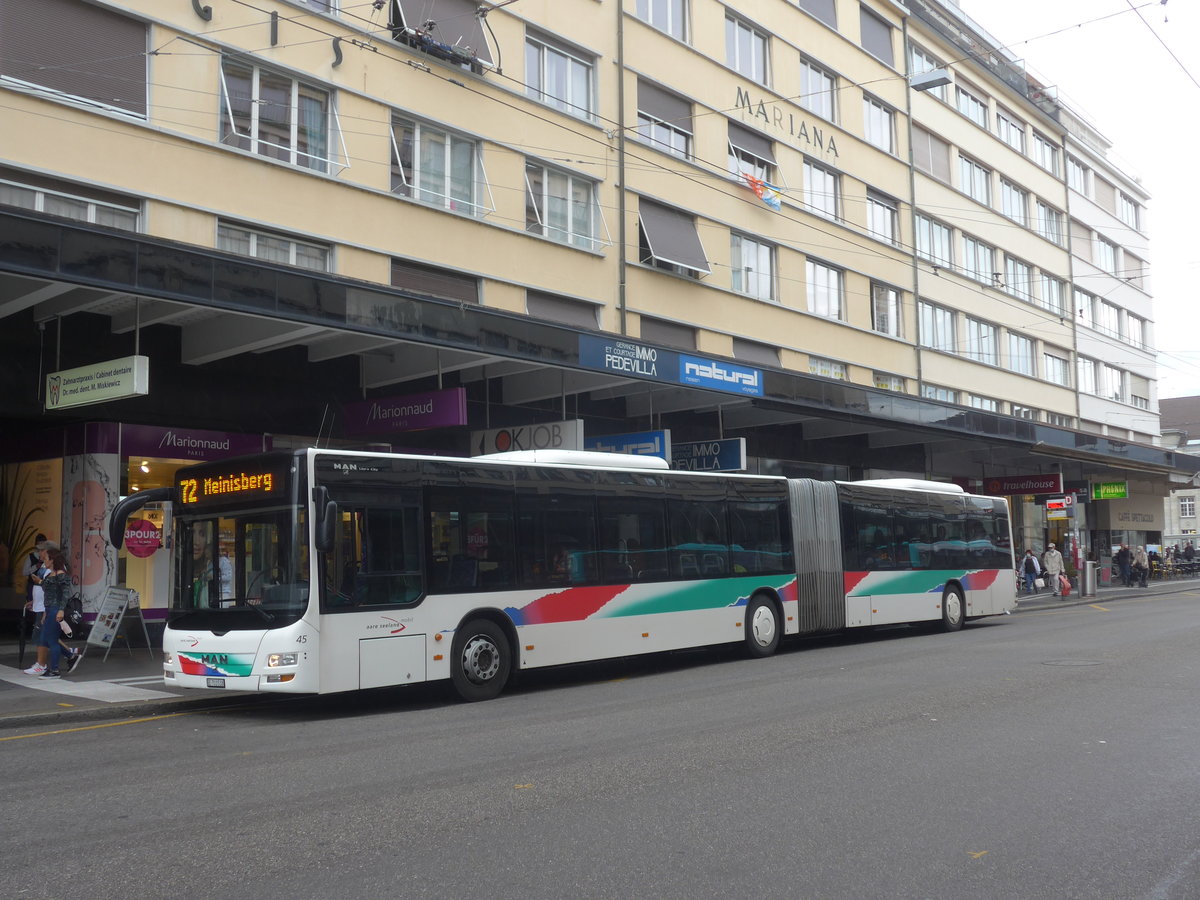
(318, 571)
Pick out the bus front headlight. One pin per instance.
(281, 659)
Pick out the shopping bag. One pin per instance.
(1064, 585)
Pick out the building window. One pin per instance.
(670, 334)
(273, 247)
(937, 327)
(881, 217)
(826, 368)
(1014, 202)
(971, 106)
(1052, 295)
(988, 404)
(975, 180)
(665, 15)
(754, 352)
(921, 61)
(435, 282)
(1023, 412)
(1020, 354)
(1112, 383)
(1010, 130)
(934, 241)
(825, 10)
(664, 120)
(1128, 211)
(1109, 320)
(1085, 308)
(824, 289)
(1061, 420)
(437, 167)
(818, 90)
(752, 267)
(750, 153)
(746, 50)
(1057, 369)
(1135, 331)
(75, 51)
(559, 75)
(876, 35)
(1187, 507)
(1049, 223)
(943, 394)
(885, 310)
(821, 190)
(1018, 278)
(1135, 270)
(1085, 371)
(931, 154)
(1106, 255)
(886, 382)
(979, 260)
(1077, 175)
(877, 125)
(70, 202)
(552, 308)
(560, 206)
(1045, 153)
(273, 115)
(668, 240)
(982, 341)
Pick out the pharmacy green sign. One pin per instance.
(1110, 490)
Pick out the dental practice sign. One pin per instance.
(636, 360)
(113, 379)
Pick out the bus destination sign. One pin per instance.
(216, 485)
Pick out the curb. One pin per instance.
(1046, 601)
(138, 709)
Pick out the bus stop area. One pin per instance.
(128, 682)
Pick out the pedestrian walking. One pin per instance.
(1141, 566)
(1124, 561)
(1052, 563)
(57, 587)
(1030, 569)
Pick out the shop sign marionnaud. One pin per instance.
(113, 379)
(1110, 490)
(1011, 485)
(411, 412)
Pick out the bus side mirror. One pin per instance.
(327, 516)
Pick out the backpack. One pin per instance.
(73, 615)
(1029, 565)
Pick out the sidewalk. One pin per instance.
(129, 683)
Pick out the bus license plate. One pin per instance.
(216, 682)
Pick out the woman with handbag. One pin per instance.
(57, 587)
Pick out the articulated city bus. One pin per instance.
(318, 571)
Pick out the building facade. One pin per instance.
(595, 218)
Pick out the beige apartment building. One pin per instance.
(841, 230)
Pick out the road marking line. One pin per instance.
(21, 737)
(1099, 607)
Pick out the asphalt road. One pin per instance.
(1047, 755)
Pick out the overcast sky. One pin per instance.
(1112, 62)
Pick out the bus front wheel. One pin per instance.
(762, 627)
(953, 609)
(481, 661)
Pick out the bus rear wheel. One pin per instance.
(762, 627)
(481, 660)
(953, 609)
